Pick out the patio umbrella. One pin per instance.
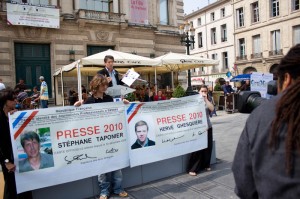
(120, 59)
(241, 77)
(180, 62)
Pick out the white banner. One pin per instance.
(58, 145)
(166, 129)
(259, 82)
(28, 15)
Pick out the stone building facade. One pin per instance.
(214, 30)
(86, 27)
(264, 32)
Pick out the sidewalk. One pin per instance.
(216, 184)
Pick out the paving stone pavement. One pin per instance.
(215, 184)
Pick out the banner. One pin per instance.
(259, 82)
(28, 15)
(58, 145)
(139, 11)
(166, 129)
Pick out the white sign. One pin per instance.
(130, 76)
(75, 143)
(28, 15)
(259, 82)
(166, 129)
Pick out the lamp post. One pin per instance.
(187, 33)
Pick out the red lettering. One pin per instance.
(91, 130)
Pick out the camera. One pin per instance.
(249, 100)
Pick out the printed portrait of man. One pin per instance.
(35, 160)
(141, 131)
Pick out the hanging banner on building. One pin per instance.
(166, 129)
(29, 15)
(259, 82)
(139, 11)
(58, 145)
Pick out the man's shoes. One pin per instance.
(103, 197)
(123, 194)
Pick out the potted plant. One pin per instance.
(178, 92)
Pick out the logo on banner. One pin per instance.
(132, 110)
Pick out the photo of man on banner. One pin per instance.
(141, 130)
(35, 160)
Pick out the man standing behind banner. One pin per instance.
(141, 130)
(109, 72)
(35, 160)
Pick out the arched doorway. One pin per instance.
(274, 70)
(249, 70)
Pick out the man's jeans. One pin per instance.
(44, 103)
(105, 180)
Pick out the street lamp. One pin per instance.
(187, 33)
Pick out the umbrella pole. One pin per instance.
(79, 82)
(172, 81)
(155, 81)
(62, 87)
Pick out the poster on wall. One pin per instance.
(29, 15)
(165, 129)
(57, 145)
(139, 12)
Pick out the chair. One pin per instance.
(26, 103)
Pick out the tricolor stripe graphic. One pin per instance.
(133, 110)
(18, 119)
(19, 131)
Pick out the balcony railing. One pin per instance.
(223, 39)
(275, 52)
(101, 16)
(256, 55)
(242, 57)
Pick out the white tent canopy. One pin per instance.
(181, 62)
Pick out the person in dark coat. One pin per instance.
(109, 72)
(8, 102)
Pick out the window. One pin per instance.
(213, 36)
(200, 44)
(274, 8)
(199, 21)
(97, 5)
(276, 41)
(223, 33)
(242, 48)
(34, 2)
(163, 12)
(223, 12)
(295, 4)
(240, 17)
(225, 60)
(255, 12)
(212, 16)
(296, 34)
(214, 56)
(256, 46)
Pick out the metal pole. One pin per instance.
(189, 90)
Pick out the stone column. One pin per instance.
(66, 6)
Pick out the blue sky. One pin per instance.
(190, 5)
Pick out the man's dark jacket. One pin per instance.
(136, 145)
(105, 73)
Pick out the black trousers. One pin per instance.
(10, 191)
(200, 160)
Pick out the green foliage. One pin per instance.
(130, 97)
(218, 87)
(179, 92)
